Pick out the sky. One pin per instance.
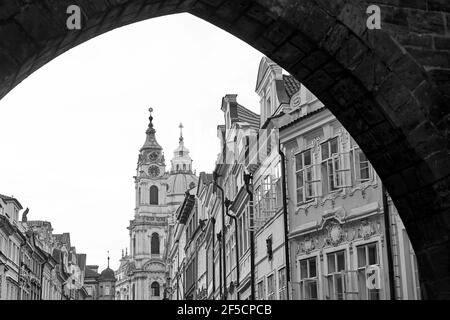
(71, 132)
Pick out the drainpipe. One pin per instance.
(219, 236)
(247, 178)
(227, 205)
(213, 220)
(387, 228)
(19, 294)
(285, 218)
(224, 274)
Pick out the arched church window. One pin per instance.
(155, 243)
(184, 167)
(134, 245)
(139, 195)
(155, 289)
(153, 195)
(178, 167)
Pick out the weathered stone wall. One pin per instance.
(388, 87)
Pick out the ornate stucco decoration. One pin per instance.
(307, 245)
(367, 229)
(335, 233)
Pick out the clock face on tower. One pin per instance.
(153, 156)
(153, 171)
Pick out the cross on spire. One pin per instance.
(181, 131)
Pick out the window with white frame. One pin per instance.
(362, 170)
(261, 294)
(336, 275)
(233, 249)
(367, 255)
(304, 172)
(308, 279)
(276, 182)
(330, 165)
(282, 292)
(243, 232)
(271, 287)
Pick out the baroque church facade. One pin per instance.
(159, 192)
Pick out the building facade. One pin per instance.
(142, 273)
(293, 209)
(36, 264)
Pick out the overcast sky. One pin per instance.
(70, 133)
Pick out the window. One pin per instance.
(261, 294)
(265, 204)
(277, 184)
(107, 291)
(268, 107)
(304, 172)
(139, 195)
(233, 249)
(269, 142)
(362, 171)
(243, 232)
(282, 292)
(308, 279)
(153, 195)
(155, 243)
(367, 256)
(270, 288)
(184, 166)
(336, 275)
(330, 163)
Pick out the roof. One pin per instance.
(246, 115)
(63, 238)
(89, 273)
(299, 119)
(291, 85)
(81, 260)
(11, 199)
(107, 275)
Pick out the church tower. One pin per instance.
(158, 194)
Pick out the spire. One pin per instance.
(108, 259)
(150, 141)
(181, 132)
(181, 161)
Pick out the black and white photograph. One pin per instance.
(245, 151)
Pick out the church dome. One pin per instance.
(107, 275)
(179, 183)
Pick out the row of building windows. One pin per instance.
(267, 287)
(340, 282)
(9, 249)
(318, 174)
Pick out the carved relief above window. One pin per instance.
(335, 233)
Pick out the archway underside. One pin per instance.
(390, 88)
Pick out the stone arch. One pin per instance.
(388, 87)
